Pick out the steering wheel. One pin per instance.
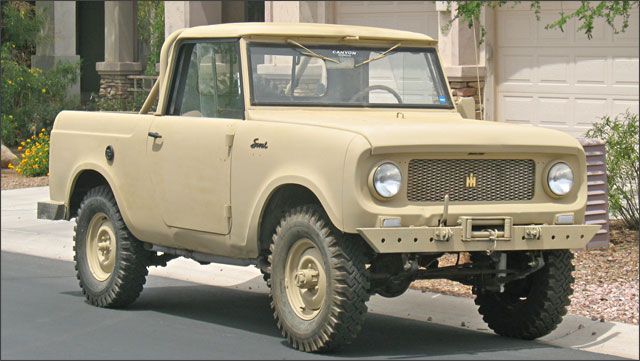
(377, 87)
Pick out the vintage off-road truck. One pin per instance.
(335, 159)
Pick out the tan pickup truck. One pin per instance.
(335, 159)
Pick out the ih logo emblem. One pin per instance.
(471, 181)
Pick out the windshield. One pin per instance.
(339, 75)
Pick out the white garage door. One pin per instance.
(563, 80)
(416, 16)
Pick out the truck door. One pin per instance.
(189, 156)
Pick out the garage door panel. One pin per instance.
(621, 106)
(554, 111)
(585, 110)
(518, 109)
(625, 71)
(553, 69)
(591, 70)
(416, 16)
(553, 35)
(600, 33)
(630, 36)
(520, 27)
(516, 69)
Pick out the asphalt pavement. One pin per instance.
(189, 311)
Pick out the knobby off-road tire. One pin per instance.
(110, 262)
(532, 307)
(318, 283)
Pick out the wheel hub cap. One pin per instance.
(101, 246)
(305, 279)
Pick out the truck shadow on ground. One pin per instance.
(382, 335)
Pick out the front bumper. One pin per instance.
(462, 239)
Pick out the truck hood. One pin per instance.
(391, 131)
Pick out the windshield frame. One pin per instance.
(435, 70)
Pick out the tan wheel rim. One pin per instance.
(101, 246)
(304, 279)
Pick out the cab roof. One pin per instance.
(234, 30)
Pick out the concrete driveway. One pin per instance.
(22, 233)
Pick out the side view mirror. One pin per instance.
(466, 107)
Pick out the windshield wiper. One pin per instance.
(379, 56)
(309, 52)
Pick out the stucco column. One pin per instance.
(463, 60)
(120, 48)
(59, 40)
(187, 14)
(299, 12)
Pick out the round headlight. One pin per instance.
(387, 180)
(560, 178)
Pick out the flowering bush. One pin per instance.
(35, 160)
(31, 97)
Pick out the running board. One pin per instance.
(201, 257)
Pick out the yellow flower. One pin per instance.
(42, 130)
(44, 90)
(37, 159)
(39, 70)
(47, 174)
(10, 166)
(10, 116)
(28, 140)
(46, 148)
(13, 45)
(19, 148)
(22, 143)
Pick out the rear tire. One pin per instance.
(111, 263)
(534, 306)
(318, 281)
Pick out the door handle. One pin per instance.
(154, 135)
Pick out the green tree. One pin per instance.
(151, 30)
(469, 12)
(31, 97)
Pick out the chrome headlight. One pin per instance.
(560, 178)
(387, 180)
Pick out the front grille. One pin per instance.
(495, 179)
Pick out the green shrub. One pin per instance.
(131, 103)
(35, 160)
(151, 31)
(31, 97)
(621, 137)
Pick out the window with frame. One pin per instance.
(207, 81)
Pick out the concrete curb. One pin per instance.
(22, 233)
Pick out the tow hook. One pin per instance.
(442, 234)
(532, 232)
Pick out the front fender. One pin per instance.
(312, 157)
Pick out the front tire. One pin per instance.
(318, 281)
(534, 306)
(111, 263)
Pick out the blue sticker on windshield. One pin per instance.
(442, 99)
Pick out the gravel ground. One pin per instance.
(606, 286)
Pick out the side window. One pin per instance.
(207, 81)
